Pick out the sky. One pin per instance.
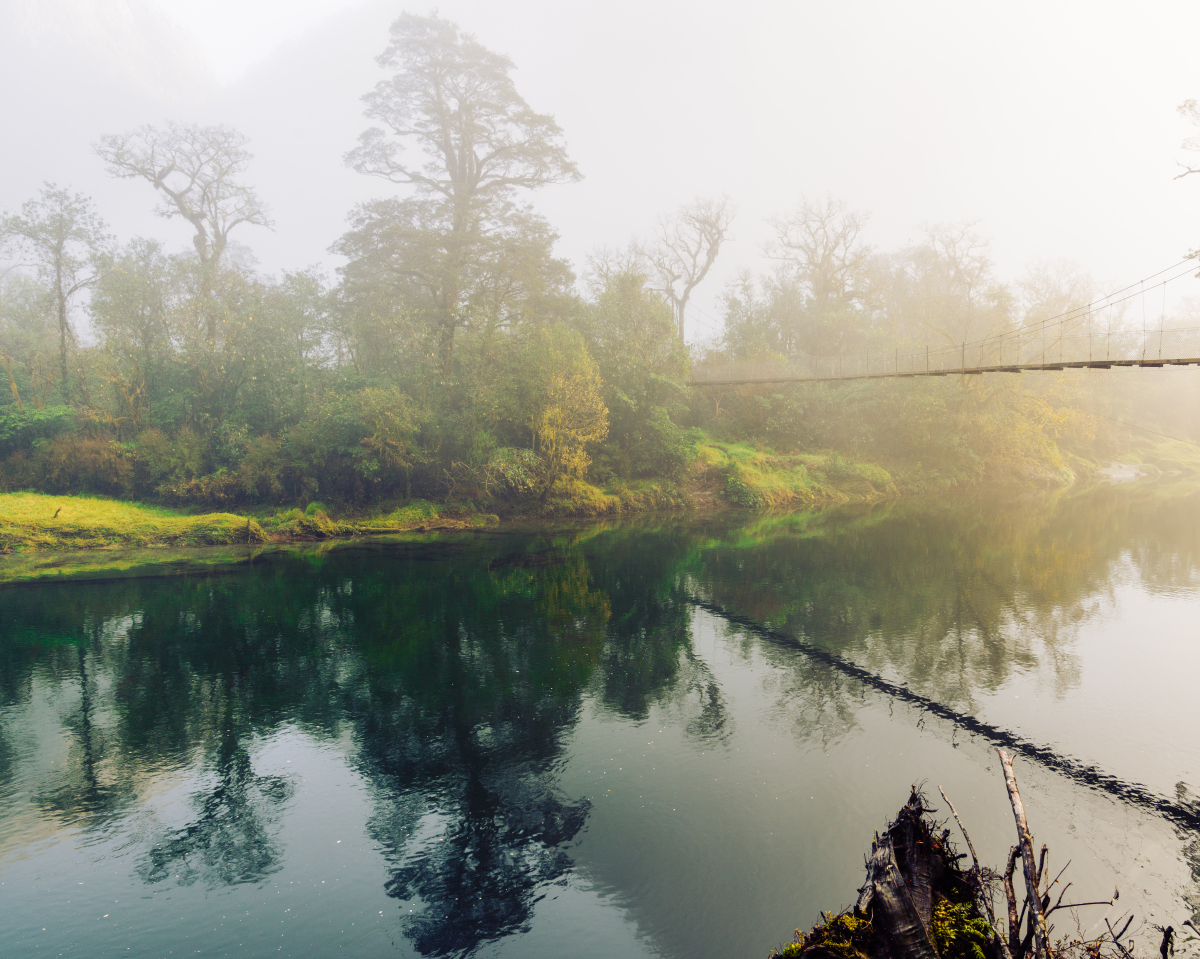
(1052, 126)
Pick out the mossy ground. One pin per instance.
(957, 932)
(725, 474)
(756, 477)
(574, 497)
(314, 521)
(35, 521)
(32, 522)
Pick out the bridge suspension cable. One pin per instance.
(1037, 345)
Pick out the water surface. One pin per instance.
(552, 742)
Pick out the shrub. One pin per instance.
(20, 428)
(735, 489)
(75, 464)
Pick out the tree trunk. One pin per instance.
(901, 874)
(61, 304)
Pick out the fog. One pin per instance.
(1052, 127)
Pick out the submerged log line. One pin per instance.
(1084, 773)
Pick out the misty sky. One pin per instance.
(1052, 125)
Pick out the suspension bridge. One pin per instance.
(1084, 337)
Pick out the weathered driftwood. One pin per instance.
(893, 908)
(1025, 841)
(898, 894)
(918, 903)
(911, 874)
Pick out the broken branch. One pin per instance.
(1025, 841)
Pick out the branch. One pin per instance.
(987, 899)
(1014, 921)
(1116, 937)
(1025, 840)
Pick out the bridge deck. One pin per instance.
(958, 371)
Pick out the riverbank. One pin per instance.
(32, 522)
(723, 476)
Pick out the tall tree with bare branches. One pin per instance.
(684, 248)
(197, 169)
(825, 272)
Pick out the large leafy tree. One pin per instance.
(455, 129)
(820, 297)
(630, 331)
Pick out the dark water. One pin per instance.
(550, 743)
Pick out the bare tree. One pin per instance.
(479, 143)
(684, 248)
(197, 170)
(822, 241)
(1190, 111)
(9, 262)
(947, 285)
(62, 235)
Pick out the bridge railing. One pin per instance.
(1020, 349)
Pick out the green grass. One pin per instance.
(753, 476)
(314, 522)
(34, 521)
(576, 497)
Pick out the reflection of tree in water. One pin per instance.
(1190, 841)
(950, 607)
(496, 829)
(649, 657)
(229, 840)
(466, 735)
(459, 669)
(459, 682)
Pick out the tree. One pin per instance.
(571, 413)
(629, 330)
(62, 235)
(826, 275)
(1190, 111)
(129, 310)
(480, 143)
(197, 170)
(947, 286)
(684, 249)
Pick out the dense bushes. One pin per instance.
(21, 427)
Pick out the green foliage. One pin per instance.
(454, 360)
(958, 932)
(20, 428)
(845, 934)
(735, 489)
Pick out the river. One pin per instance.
(666, 736)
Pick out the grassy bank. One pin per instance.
(35, 521)
(750, 476)
(723, 475)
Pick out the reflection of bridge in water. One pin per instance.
(1080, 338)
